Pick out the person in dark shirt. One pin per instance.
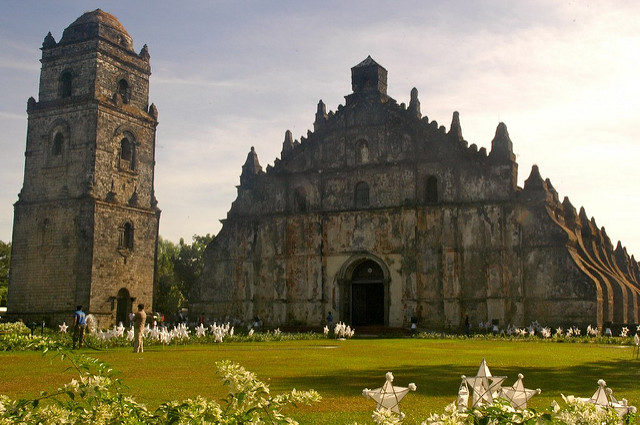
(79, 325)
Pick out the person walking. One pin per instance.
(138, 328)
(79, 325)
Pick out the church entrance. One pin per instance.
(123, 307)
(367, 294)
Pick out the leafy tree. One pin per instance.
(5, 257)
(167, 300)
(179, 267)
(189, 263)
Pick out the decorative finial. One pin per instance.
(534, 181)
(49, 42)
(321, 115)
(144, 53)
(251, 168)
(414, 104)
(287, 144)
(153, 111)
(455, 131)
(31, 104)
(501, 145)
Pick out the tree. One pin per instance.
(179, 267)
(167, 299)
(5, 258)
(189, 263)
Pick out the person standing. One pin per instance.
(138, 329)
(79, 325)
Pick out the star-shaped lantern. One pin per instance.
(463, 396)
(201, 330)
(63, 327)
(388, 396)
(484, 386)
(517, 394)
(603, 397)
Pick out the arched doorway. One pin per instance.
(123, 307)
(367, 294)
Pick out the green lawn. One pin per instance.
(339, 370)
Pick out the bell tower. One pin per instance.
(86, 221)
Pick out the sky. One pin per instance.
(228, 75)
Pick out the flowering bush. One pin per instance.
(22, 342)
(97, 397)
(575, 412)
(343, 331)
(14, 328)
(16, 337)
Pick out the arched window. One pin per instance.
(123, 90)
(127, 154)
(66, 84)
(431, 190)
(126, 237)
(362, 152)
(362, 195)
(58, 144)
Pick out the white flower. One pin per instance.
(412, 386)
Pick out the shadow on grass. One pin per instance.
(443, 380)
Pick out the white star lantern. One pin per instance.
(463, 396)
(388, 396)
(517, 394)
(63, 327)
(603, 397)
(485, 387)
(201, 330)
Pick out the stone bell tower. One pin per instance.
(86, 222)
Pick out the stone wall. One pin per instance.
(446, 222)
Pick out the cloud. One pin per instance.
(562, 75)
(12, 116)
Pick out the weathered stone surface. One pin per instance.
(443, 230)
(68, 235)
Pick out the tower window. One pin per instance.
(362, 195)
(66, 86)
(431, 190)
(58, 143)
(127, 154)
(126, 237)
(124, 91)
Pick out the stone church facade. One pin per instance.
(380, 215)
(86, 221)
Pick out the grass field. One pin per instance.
(339, 370)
